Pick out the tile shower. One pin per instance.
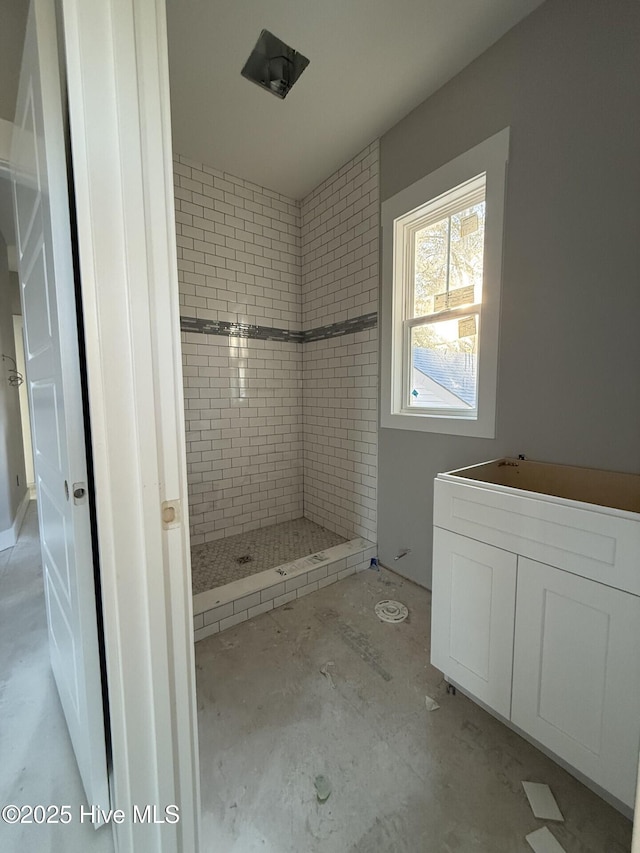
(279, 304)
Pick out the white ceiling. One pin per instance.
(372, 62)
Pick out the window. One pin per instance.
(442, 254)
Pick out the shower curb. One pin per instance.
(228, 605)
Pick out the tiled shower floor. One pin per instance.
(216, 563)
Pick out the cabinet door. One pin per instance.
(576, 673)
(472, 614)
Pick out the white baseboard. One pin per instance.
(9, 537)
(22, 511)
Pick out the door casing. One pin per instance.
(118, 88)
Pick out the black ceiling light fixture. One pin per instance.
(274, 65)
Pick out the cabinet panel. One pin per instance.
(473, 603)
(576, 673)
(589, 541)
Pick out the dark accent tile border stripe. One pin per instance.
(239, 330)
(346, 327)
(268, 333)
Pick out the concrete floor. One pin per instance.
(37, 764)
(404, 780)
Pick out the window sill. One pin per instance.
(474, 428)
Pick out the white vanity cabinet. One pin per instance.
(536, 608)
(472, 637)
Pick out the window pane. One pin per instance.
(444, 364)
(431, 249)
(467, 250)
(449, 257)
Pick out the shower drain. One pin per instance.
(246, 558)
(391, 611)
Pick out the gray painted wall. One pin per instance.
(566, 80)
(13, 23)
(11, 450)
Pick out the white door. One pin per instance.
(472, 610)
(576, 673)
(53, 375)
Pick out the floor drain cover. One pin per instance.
(391, 611)
(246, 558)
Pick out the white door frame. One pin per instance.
(117, 69)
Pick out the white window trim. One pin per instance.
(490, 157)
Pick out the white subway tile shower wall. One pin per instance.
(238, 249)
(239, 262)
(340, 227)
(243, 409)
(248, 255)
(340, 388)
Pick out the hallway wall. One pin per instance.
(13, 480)
(14, 23)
